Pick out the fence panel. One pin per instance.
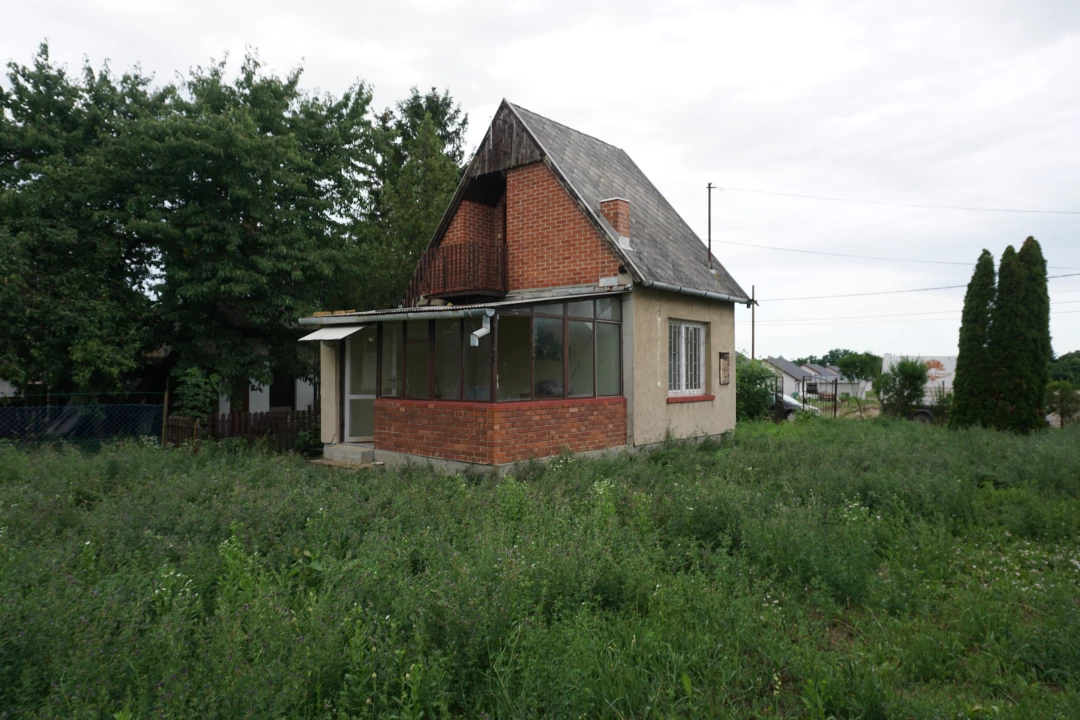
(280, 428)
(80, 422)
(182, 432)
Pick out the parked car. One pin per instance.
(791, 406)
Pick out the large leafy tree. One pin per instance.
(244, 189)
(419, 150)
(74, 305)
(1019, 340)
(974, 384)
(203, 216)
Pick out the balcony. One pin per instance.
(473, 269)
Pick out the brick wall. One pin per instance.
(475, 221)
(550, 241)
(496, 433)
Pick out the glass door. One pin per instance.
(361, 355)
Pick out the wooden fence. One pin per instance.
(280, 428)
(181, 432)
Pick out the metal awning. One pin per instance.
(333, 333)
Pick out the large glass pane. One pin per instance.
(609, 308)
(477, 363)
(391, 359)
(515, 348)
(363, 354)
(361, 417)
(548, 357)
(607, 359)
(580, 358)
(416, 359)
(581, 308)
(448, 359)
(549, 309)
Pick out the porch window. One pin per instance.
(477, 363)
(552, 350)
(686, 358)
(416, 359)
(515, 356)
(447, 359)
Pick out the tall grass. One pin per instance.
(845, 569)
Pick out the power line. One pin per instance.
(848, 321)
(861, 257)
(891, 292)
(893, 315)
(901, 204)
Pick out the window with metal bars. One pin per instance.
(686, 358)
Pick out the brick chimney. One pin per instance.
(617, 212)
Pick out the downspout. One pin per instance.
(474, 337)
(696, 293)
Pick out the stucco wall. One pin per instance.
(329, 388)
(652, 415)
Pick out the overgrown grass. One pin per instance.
(849, 569)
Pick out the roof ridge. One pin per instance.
(567, 127)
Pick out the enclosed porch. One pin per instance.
(481, 384)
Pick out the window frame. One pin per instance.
(520, 311)
(682, 387)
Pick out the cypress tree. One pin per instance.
(1036, 337)
(1020, 340)
(973, 388)
(1004, 347)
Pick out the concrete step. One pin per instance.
(349, 453)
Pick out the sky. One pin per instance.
(964, 104)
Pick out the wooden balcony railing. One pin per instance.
(475, 268)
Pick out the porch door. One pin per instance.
(361, 356)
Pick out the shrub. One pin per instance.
(902, 387)
(755, 383)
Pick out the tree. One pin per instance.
(755, 384)
(833, 357)
(242, 189)
(412, 202)
(902, 387)
(1063, 398)
(862, 368)
(73, 303)
(1019, 340)
(1066, 367)
(973, 388)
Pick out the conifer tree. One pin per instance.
(1036, 338)
(973, 388)
(1020, 340)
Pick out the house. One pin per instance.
(791, 374)
(283, 393)
(561, 303)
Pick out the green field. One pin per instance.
(828, 568)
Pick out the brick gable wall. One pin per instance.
(475, 221)
(551, 243)
(497, 433)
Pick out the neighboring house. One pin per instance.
(790, 373)
(284, 393)
(6, 389)
(561, 303)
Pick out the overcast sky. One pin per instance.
(971, 104)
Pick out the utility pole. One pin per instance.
(709, 188)
(753, 317)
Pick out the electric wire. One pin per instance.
(863, 257)
(892, 315)
(902, 204)
(891, 292)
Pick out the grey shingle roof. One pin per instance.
(663, 247)
(788, 367)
